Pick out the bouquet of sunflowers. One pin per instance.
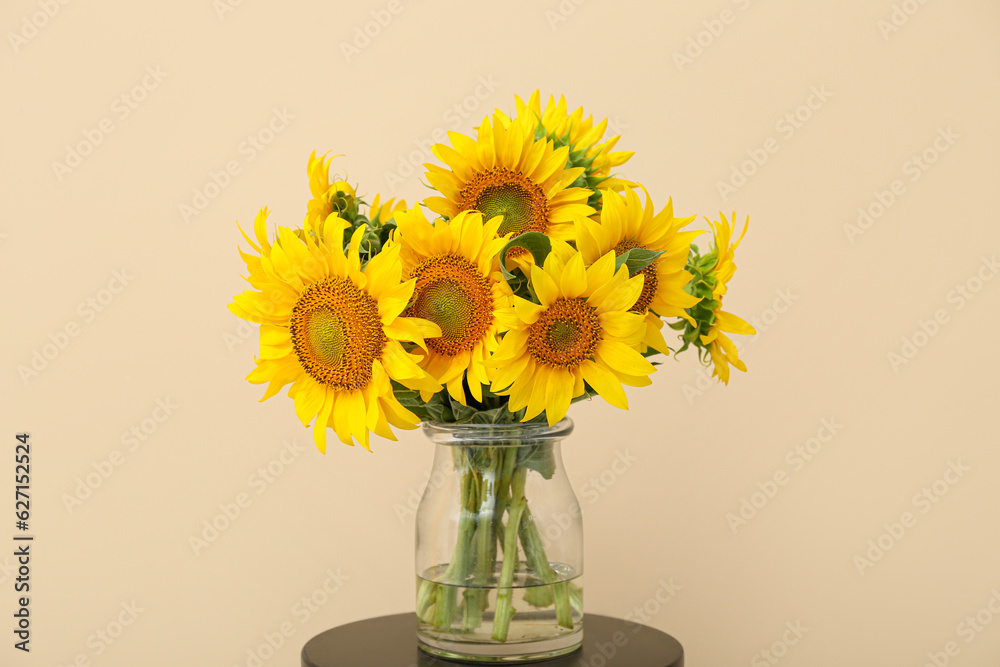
(534, 279)
(540, 280)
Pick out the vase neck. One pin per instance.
(496, 435)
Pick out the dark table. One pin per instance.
(391, 641)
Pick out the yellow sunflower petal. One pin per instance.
(558, 395)
(504, 375)
(623, 359)
(309, 400)
(605, 384)
(319, 428)
(545, 287)
(536, 402)
(732, 324)
(527, 311)
(573, 281)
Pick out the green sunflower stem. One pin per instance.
(503, 490)
(493, 485)
(446, 597)
(477, 596)
(534, 552)
(505, 586)
(426, 597)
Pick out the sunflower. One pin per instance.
(333, 330)
(581, 331)
(459, 288)
(505, 171)
(711, 281)
(588, 148)
(626, 224)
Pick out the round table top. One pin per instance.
(391, 641)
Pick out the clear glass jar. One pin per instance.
(499, 550)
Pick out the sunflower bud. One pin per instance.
(342, 200)
(337, 197)
(702, 285)
(712, 274)
(589, 151)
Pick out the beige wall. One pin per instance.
(835, 303)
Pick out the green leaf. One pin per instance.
(384, 232)
(411, 400)
(443, 408)
(540, 596)
(494, 416)
(636, 259)
(462, 413)
(439, 408)
(537, 243)
(539, 458)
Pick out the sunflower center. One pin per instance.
(452, 293)
(324, 335)
(500, 191)
(566, 333)
(649, 282)
(337, 334)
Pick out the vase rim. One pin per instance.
(493, 435)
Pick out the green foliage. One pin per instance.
(493, 409)
(577, 158)
(410, 399)
(636, 259)
(540, 458)
(385, 231)
(494, 416)
(537, 243)
(376, 234)
(345, 205)
(703, 312)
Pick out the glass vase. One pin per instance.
(499, 545)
